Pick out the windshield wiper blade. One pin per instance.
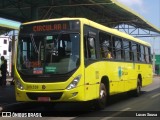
(33, 42)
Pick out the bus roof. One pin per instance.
(96, 25)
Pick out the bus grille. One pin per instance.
(53, 96)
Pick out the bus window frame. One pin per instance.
(90, 32)
(122, 39)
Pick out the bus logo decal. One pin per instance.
(43, 87)
(119, 71)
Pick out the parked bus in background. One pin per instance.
(75, 59)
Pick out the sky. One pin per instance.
(150, 10)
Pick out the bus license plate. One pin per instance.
(44, 99)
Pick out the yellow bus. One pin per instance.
(75, 59)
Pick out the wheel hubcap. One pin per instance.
(102, 94)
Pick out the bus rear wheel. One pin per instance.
(101, 101)
(137, 91)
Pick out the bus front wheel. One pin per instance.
(101, 101)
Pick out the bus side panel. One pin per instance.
(132, 72)
(147, 76)
(116, 77)
(130, 76)
(96, 71)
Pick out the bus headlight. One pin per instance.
(18, 84)
(74, 83)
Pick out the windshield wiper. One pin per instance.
(33, 42)
(37, 50)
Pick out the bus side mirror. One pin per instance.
(10, 46)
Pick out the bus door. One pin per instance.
(90, 68)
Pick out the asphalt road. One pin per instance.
(146, 106)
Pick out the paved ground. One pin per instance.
(7, 95)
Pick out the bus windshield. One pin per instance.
(55, 53)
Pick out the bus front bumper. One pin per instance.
(76, 94)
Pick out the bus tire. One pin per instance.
(101, 101)
(137, 91)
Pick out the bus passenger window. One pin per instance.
(91, 48)
(85, 47)
(117, 48)
(105, 45)
(138, 52)
(149, 52)
(147, 55)
(135, 51)
(142, 53)
(109, 55)
(126, 48)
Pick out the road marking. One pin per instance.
(116, 114)
(158, 94)
(63, 118)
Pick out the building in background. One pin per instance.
(4, 50)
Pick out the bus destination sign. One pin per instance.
(50, 27)
(45, 27)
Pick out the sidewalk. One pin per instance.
(7, 94)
